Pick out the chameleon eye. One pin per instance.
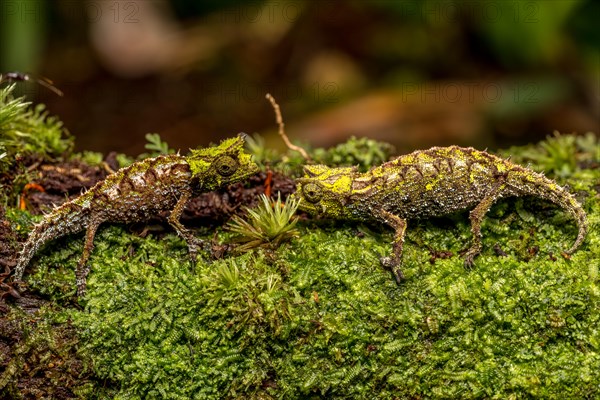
(226, 165)
(312, 192)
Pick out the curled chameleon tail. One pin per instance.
(66, 219)
(534, 184)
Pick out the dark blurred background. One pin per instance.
(414, 73)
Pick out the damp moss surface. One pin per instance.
(319, 317)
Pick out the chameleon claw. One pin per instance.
(206, 246)
(393, 264)
(81, 286)
(398, 275)
(193, 255)
(470, 260)
(197, 246)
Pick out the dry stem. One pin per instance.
(279, 120)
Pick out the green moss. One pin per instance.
(91, 157)
(25, 131)
(561, 155)
(319, 316)
(360, 152)
(21, 221)
(29, 130)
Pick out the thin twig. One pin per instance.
(279, 120)
(22, 77)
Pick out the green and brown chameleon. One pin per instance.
(139, 192)
(428, 183)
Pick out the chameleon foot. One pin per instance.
(470, 258)
(196, 246)
(81, 286)
(393, 264)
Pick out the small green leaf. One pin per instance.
(156, 145)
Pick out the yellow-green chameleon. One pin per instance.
(139, 192)
(424, 184)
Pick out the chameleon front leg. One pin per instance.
(394, 261)
(83, 269)
(193, 242)
(476, 217)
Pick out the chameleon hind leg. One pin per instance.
(193, 243)
(394, 261)
(476, 217)
(83, 269)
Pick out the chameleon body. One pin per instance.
(428, 183)
(139, 192)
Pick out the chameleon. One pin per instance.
(139, 192)
(428, 183)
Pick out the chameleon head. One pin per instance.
(325, 190)
(220, 165)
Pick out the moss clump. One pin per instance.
(319, 317)
(560, 155)
(29, 130)
(25, 133)
(361, 152)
